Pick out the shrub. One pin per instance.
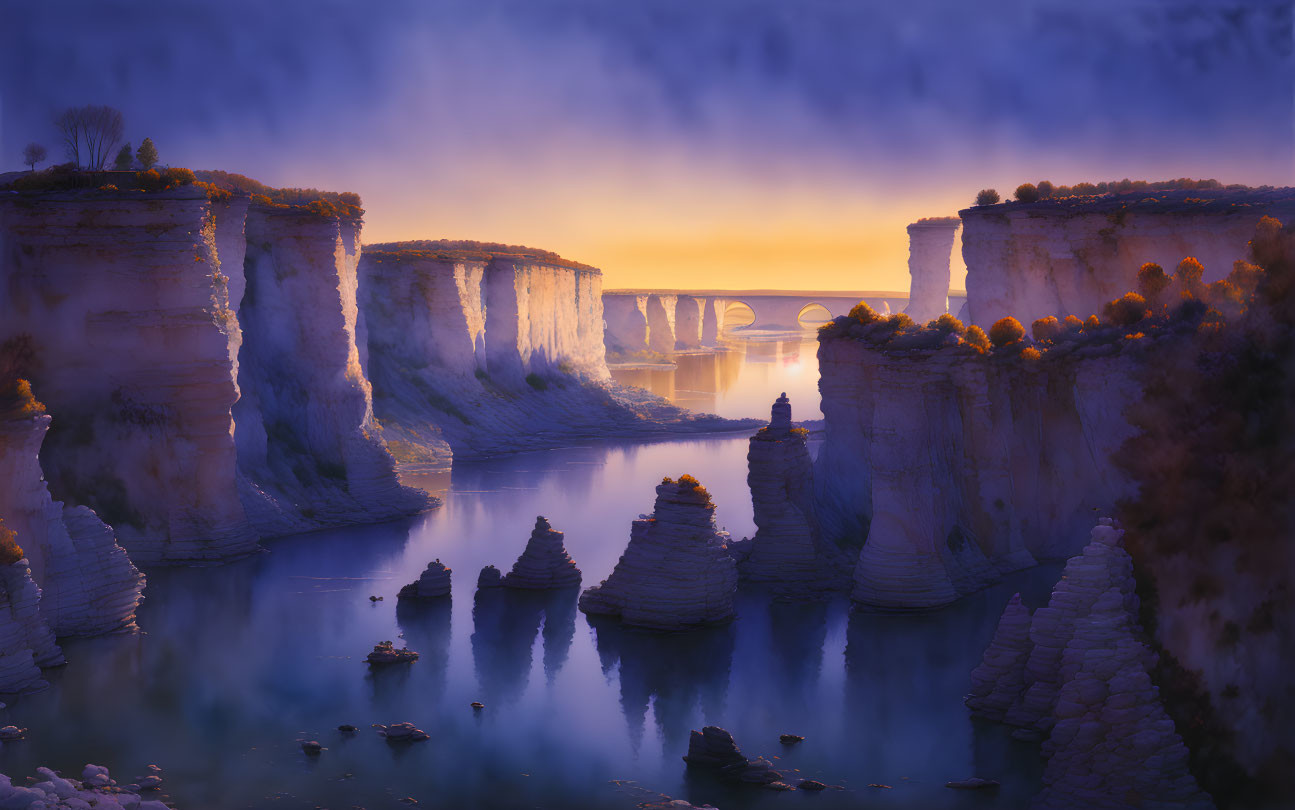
(1026, 193)
(1092, 323)
(948, 324)
(1188, 275)
(1072, 324)
(1045, 189)
(10, 551)
(987, 196)
(1126, 311)
(537, 382)
(900, 320)
(1030, 353)
(1006, 331)
(976, 338)
(686, 481)
(1046, 329)
(863, 313)
(1152, 281)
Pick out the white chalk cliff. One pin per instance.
(131, 303)
(477, 350)
(675, 572)
(88, 584)
(1069, 257)
(26, 642)
(1076, 673)
(956, 467)
(788, 548)
(930, 249)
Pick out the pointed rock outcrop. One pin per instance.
(1077, 675)
(788, 548)
(433, 584)
(26, 642)
(544, 563)
(675, 572)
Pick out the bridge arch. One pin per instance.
(813, 315)
(738, 315)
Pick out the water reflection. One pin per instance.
(741, 379)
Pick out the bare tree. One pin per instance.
(33, 153)
(95, 128)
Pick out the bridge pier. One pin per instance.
(688, 322)
(660, 319)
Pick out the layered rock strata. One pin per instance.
(544, 563)
(788, 547)
(88, 584)
(957, 466)
(26, 641)
(433, 583)
(930, 249)
(143, 327)
(1076, 673)
(675, 572)
(475, 353)
(1071, 256)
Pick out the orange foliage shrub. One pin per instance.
(977, 339)
(10, 551)
(1006, 331)
(863, 313)
(1046, 329)
(1127, 310)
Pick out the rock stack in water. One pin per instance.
(26, 642)
(544, 563)
(1077, 673)
(676, 571)
(714, 747)
(788, 548)
(433, 584)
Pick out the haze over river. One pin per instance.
(238, 663)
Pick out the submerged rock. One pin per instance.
(96, 789)
(402, 732)
(788, 548)
(1080, 681)
(675, 572)
(434, 583)
(544, 563)
(974, 783)
(384, 652)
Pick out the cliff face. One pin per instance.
(131, 304)
(957, 467)
(476, 354)
(26, 642)
(930, 248)
(307, 444)
(1055, 258)
(130, 319)
(89, 585)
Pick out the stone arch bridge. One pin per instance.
(664, 321)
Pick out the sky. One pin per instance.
(672, 143)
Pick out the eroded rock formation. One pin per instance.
(26, 641)
(1076, 674)
(1071, 256)
(930, 248)
(433, 583)
(132, 304)
(957, 466)
(788, 547)
(676, 571)
(544, 563)
(88, 584)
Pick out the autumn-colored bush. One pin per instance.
(1072, 324)
(1188, 277)
(1092, 323)
(976, 338)
(948, 324)
(687, 481)
(863, 313)
(899, 320)
(1126, 311)
(1026, 193)
(214, 193)
(1006, 331)
(10, 551)
(1030, 353)
(1046, 329)
(987, 196)
(1152, 281)
(344, 204)
(1045, 189)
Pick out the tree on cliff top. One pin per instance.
(147, 154)
(32, 154)
(987, 196)
(93, 130)
(1027, 193)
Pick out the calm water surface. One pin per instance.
(239, 662)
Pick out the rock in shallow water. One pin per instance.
(434, 583)
(675, 572)
(384, 652)
(96, 789)
(544, 563)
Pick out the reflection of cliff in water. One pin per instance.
(677, 673)
(505, 623)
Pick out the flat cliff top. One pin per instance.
(1232, 199)
(465, 250)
